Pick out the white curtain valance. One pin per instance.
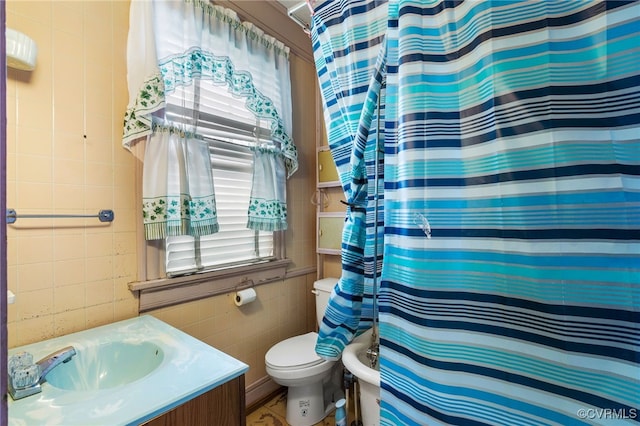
(170, 45)
(181, 53)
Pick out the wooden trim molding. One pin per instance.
(258, 392)
(171, 291)
(4, 338)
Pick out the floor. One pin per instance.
(273, 413)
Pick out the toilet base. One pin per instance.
(305, 404)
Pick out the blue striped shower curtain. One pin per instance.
(352, 89)
(510, 217)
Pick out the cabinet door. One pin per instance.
(330, 232)
(327, 172)
(223, 405)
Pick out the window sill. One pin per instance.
(171, 291)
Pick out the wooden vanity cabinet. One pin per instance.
(221, 406)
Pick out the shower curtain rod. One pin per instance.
(103, 216)
(376, 197)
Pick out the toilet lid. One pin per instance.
(294, 352)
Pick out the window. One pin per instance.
(229, 129)
(185, 268)
(225, 81)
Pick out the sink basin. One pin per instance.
(106, 366)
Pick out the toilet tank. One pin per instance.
(322, 289)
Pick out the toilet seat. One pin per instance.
(296, 352)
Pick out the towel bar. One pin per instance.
(103, 216)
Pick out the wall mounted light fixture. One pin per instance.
(21, 51)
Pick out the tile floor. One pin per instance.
(273, 413)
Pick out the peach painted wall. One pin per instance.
(64, 156)
(63, 123)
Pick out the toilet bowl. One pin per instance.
(314, 384)
(293, 362)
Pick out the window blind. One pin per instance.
(230, 130)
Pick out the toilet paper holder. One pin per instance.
(244, 284)
(244, 292)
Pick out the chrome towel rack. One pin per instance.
(103, 216)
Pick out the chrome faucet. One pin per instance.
(25, 377)
(372, 354)
(51, 361)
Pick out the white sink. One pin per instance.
(354, 358)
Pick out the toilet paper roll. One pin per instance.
(245, 296)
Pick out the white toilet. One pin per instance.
(314, 384)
